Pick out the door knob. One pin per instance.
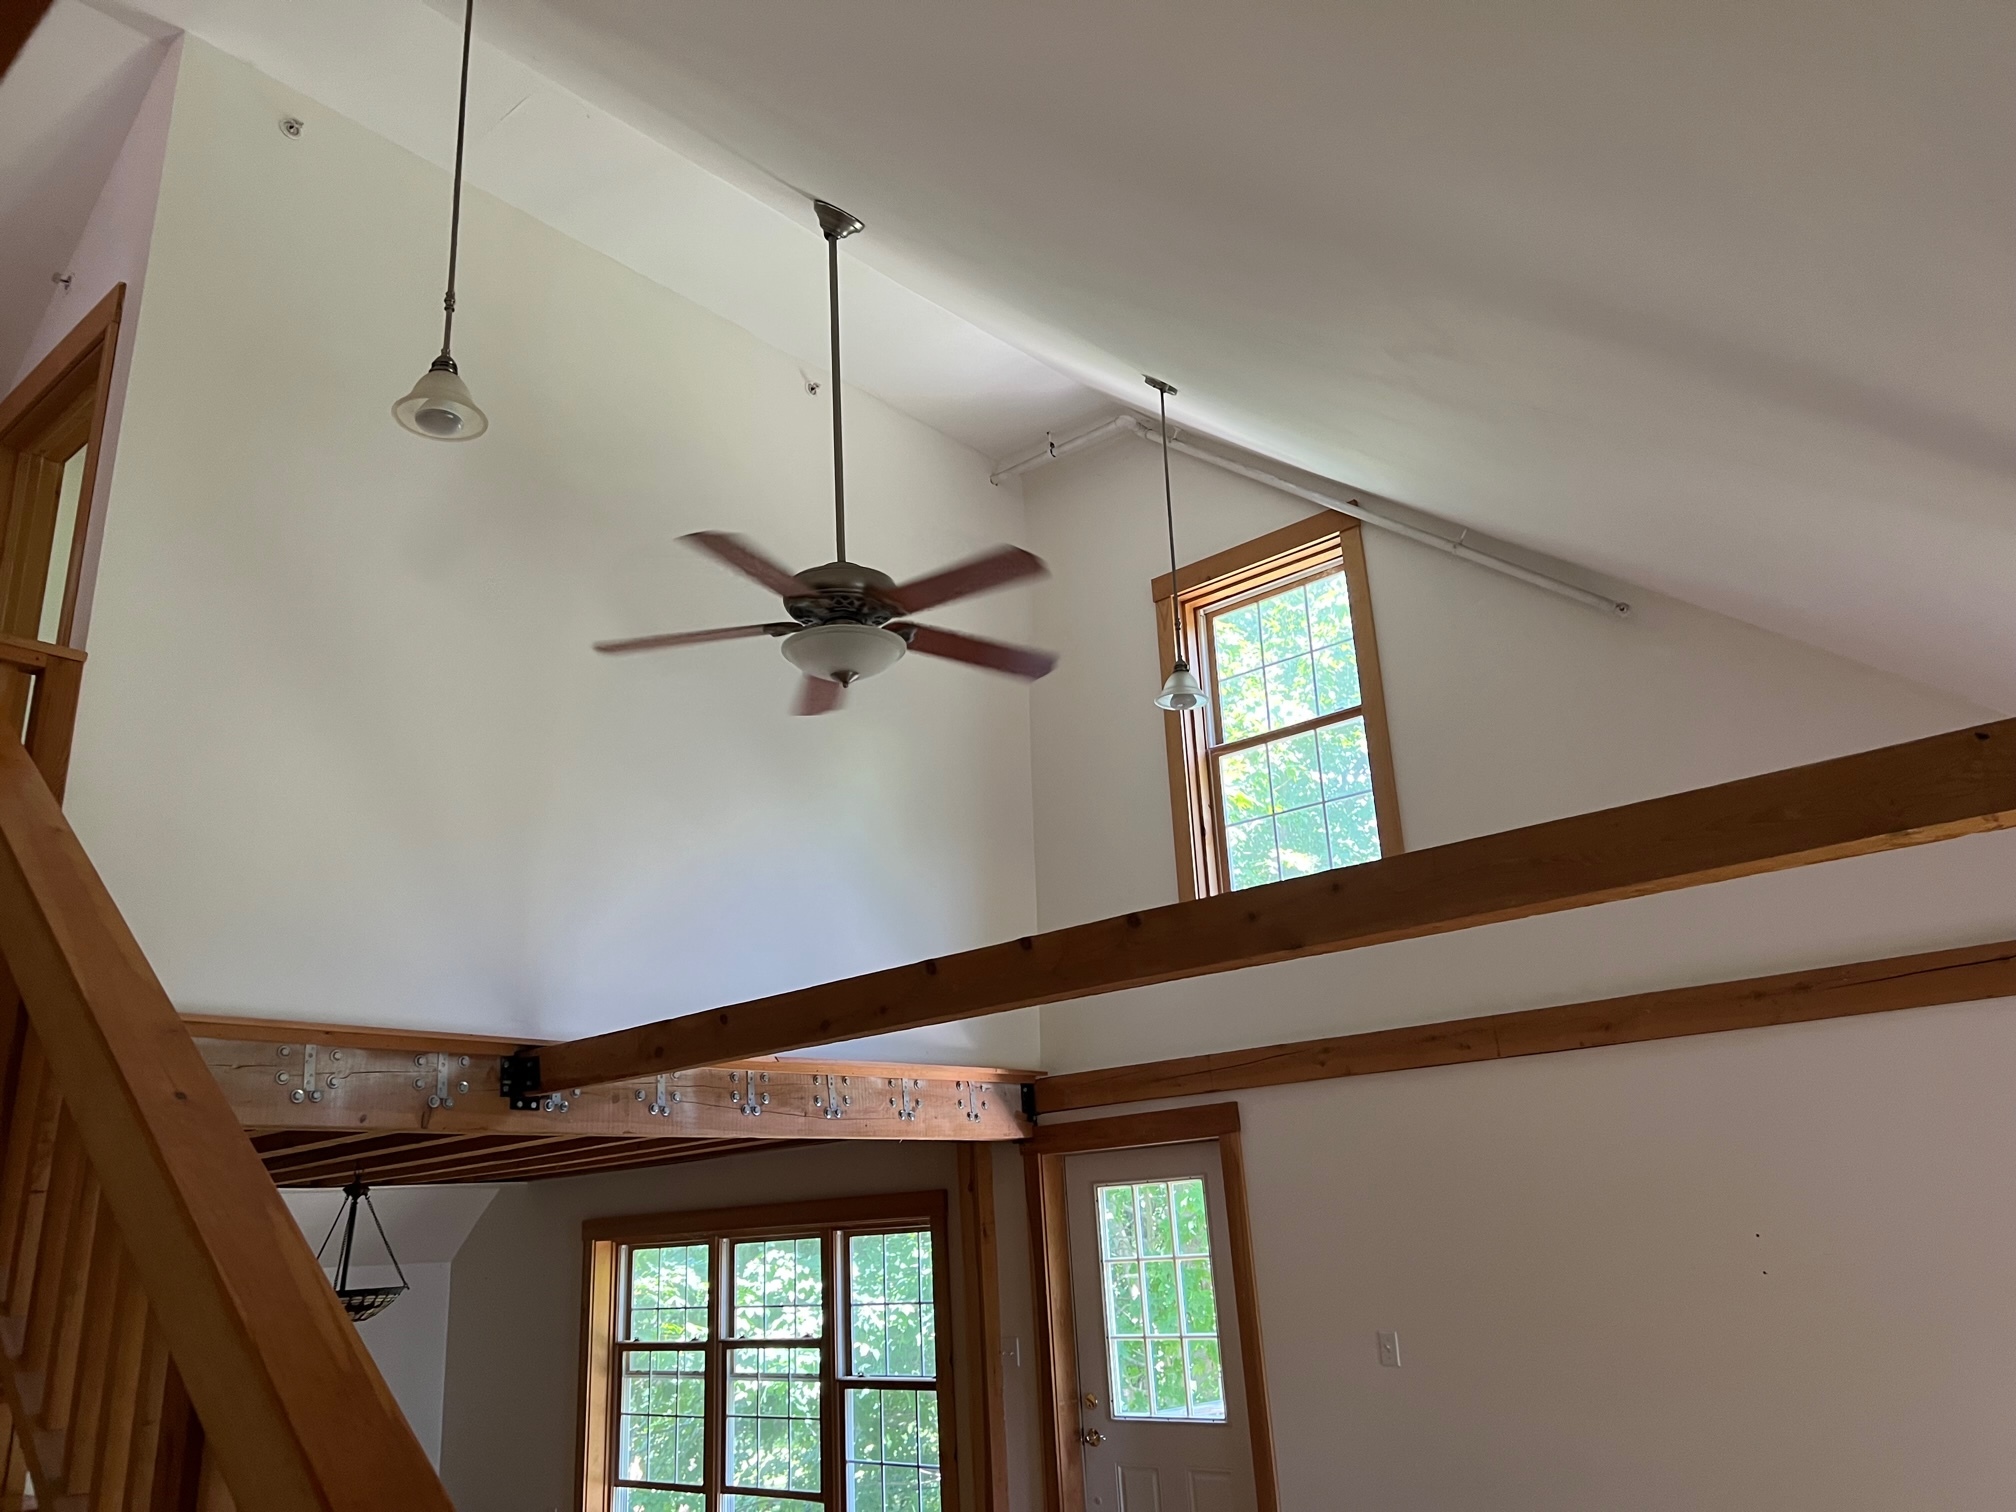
(1091, 1437)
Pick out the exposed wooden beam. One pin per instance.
(1969, 974)
(1959, 783)
(344, 1089)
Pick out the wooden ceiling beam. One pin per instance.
(1972, 973)
(1959, 783)
(341, 1088)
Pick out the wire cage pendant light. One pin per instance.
(1181, 691)
(360, 1302)
(440, 406)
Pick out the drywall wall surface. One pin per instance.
(515, 1332)
(1508, 706)
(345, 752)
(425, 1228)
(1763, 1272)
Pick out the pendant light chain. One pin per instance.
(839, 463)
(455, 213)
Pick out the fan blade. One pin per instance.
(818, 695)
(993, 569)
(692, 637)
(735, 552)
(1019, 661)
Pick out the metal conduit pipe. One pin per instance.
(1340, 501)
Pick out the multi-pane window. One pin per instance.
(1161, 1301)
(1284, 771)
(786, 1370)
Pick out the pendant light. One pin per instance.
(360, 1302)
(1181, 692)
(439, 406)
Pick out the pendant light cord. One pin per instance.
(1162, 393)
(455, 213)
(839, 463)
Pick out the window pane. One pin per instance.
(1291, 692)
(766, 1504)
(1329, 610)
(627, 1499)
(1302, 842)
(779, 1289)
(893, 1451)
(1161, 1312)
(1337, 678)
(668, 1294)
(1250, 847)
(1242, 706)
(1284, 625)
(1354, 831)
(660, 1430)
(1345, 760)
(1291, 764)
(1318, 787)
(773, 1418)
(894, 1324)
(1235, 641)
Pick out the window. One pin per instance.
(1161, 1303)
(1285, 771)
(769, 1360)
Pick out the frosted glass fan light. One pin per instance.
(844, 653)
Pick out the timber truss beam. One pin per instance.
(323, 1101)
(1959, 783)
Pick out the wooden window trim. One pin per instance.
(1308, 548)
(603, 1242)
(1043, 1160)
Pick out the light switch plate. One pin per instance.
(1389, 1347)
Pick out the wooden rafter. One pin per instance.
(1959, 783)
(1972, 973)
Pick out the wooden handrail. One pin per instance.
(143, 1248)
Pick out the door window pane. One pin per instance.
(1160, 1301)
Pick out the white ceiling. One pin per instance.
(1719, 299)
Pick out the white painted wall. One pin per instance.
(426, 1228)
(345, 753)
(515, 1334)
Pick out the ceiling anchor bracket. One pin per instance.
(518, 1080)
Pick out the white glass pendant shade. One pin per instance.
(440, 407)
(844, 653)
(1181, 691)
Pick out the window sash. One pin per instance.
(833, 1344)
(1187, 610)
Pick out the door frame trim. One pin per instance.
(1043, 1158)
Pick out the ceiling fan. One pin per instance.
(848, 621)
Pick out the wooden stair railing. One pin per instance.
(167, 1340)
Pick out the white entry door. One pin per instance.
(1162, 1405)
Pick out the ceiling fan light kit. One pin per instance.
(440, 406)
(848, 621)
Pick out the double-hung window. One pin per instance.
(1286, 768)
(770, 1360)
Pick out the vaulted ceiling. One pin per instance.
(1719, 299)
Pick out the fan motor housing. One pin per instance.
(843, 593)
